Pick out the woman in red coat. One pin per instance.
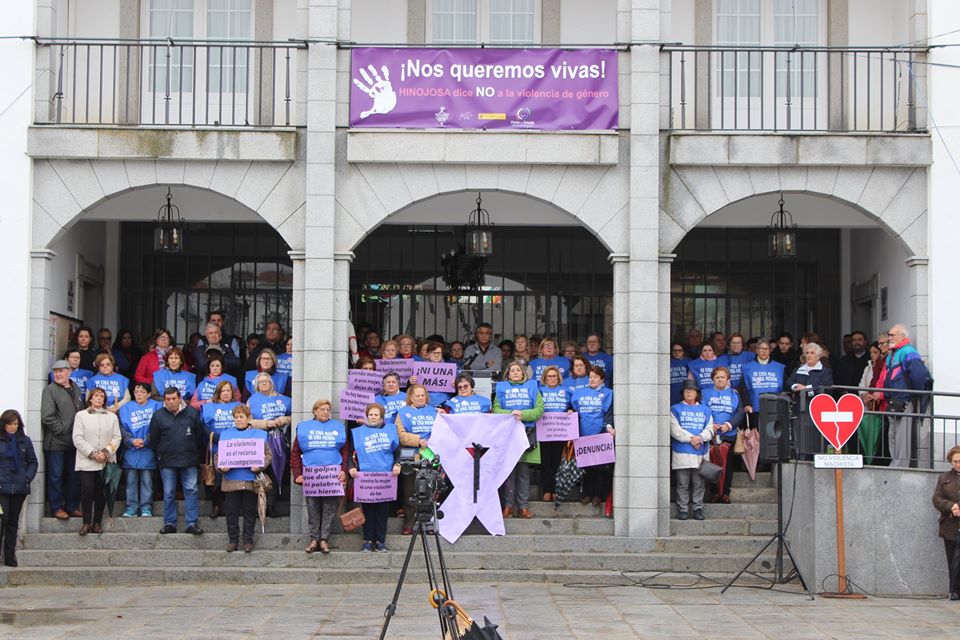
(155, 356)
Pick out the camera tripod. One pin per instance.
(441, 592)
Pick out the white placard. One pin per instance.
(837, 461)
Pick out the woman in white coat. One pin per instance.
(96, 435)
(691, 429)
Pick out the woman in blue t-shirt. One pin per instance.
(594, 404)
(578, 376)
(217, 416)
(241, 493)
(266, 363)
(414, 426)
(702, 367)
(521, 397)
(392, 399)
(556, 399)
(139, 460)
(466, 400)
(116, 386)
(549, 357)
(174, 374)
(319, 443)
(679, 371)
(727, 413)
(207, 387)
(378, 450)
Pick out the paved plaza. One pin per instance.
(524, 611)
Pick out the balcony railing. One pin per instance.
(169, 83)
(797, 89)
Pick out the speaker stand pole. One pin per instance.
(782, 545)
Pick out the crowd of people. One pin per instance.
(165, 410)
(715, 389)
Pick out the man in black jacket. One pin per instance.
(59, 403)
(177, 436)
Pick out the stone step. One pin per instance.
(741, 511)
(95, 567)
(742, 479)
(53, 543)
(416, 577)
(722, 527)
(152, 525)
(752, 495)
(722, 544)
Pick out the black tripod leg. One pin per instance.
(796, 569)
(432, 581)
(751, 561)
(392, 607)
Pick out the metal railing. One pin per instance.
(933, 432)
(871, 89)
(189, 83)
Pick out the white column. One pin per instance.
(38, 357)
(621, 390)
(301, 406)
(919, 297)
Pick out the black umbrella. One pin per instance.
(955, 566)
(111, 473)
(487, 632)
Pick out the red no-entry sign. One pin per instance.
(837, 420)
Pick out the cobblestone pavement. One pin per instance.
(524, 610)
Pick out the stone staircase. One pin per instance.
(572, 544)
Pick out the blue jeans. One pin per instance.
(191, 501)
(62, 479)
(139, 489)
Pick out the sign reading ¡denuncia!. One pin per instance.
(461, 88)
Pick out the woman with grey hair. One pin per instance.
(811, 374)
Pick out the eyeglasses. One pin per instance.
(464, 386)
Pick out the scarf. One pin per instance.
(162, 357)
(12, 451)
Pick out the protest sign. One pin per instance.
(594, 450)
(558, 426)
(321, 482)
(375, 486)
(353, 403)
(237, 453)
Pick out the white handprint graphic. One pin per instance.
(380, 89)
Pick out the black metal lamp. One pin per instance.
(168, 236)
(478, 234)
(782, 238)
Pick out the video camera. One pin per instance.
(428, 485)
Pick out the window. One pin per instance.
(171, 19)
(738, 25)
(490, 21)
(228, 20)
(795, 22)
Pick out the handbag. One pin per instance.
(353, 519)
(208, 474)
(531, 438)
(739, 445)
(709, 471)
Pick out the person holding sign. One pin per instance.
(391, 399)
(434, 351)
(595, 406)
(466, 401)
(691, 429)
(237, 483)
(414, 425)
(270, 411)
(727, 412)
(217, 415)
(378, 450)
(116, 386)
(319, 443)
(174, 374)
(520, 397)
(556, 399)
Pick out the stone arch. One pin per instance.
(367, 194)
(66, 189)
(895, 197)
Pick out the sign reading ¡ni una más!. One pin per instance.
(465, 88)
(435, 376)
(240, 453)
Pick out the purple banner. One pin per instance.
(558, 427)
(403, 367)
(375, 486)
(458, 88)
(353, 403)
(321, 482)
(593, 450)
(436, 376)
(365, 380)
